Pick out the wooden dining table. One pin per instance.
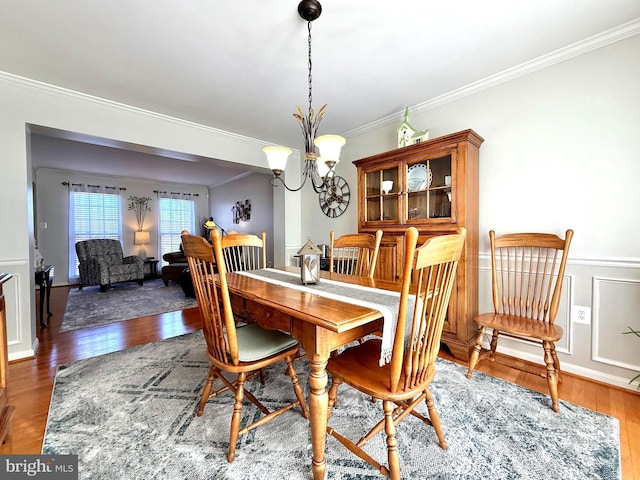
(320, 324)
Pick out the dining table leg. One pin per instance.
(318, 413)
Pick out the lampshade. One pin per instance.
(141, 238)
(277, 158)
(210, 224)
(330, 146)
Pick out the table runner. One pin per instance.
(384, 301)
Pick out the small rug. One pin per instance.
(131, 414)
(89, 307)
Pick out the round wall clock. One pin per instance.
(334, 198)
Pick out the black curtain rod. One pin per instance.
(177, 193)
(67, 184)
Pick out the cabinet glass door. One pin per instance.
(429, 189)
(381, 195)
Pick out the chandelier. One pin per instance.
(318, 169)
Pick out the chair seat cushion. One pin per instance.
(522, 326)
(256, 343)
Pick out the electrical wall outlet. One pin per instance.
(581, 314)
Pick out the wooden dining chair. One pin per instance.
(234, 350)
(354, 253)
(527, 273)
(244, 251)
(403, 383)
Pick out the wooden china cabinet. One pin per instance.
(432, 186)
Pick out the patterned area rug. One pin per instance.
(89, 307)
(131, 414)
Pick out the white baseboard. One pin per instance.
(23, 354)
(569, 368)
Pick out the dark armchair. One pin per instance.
(177, 264)
(103, 263)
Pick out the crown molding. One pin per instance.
(607, 37)
(41, 87)
(592, 43)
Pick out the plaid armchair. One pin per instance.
(102, 263)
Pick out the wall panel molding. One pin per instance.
(18, 298)
(13, 310)
(616, 302)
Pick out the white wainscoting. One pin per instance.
(616, 307)
(20, 308)
(598, 349)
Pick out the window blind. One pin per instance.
(92, 214)
(177, 213)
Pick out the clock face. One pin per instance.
(334, 198)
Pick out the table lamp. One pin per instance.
(141, 238)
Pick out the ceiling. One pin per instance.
(242, 66)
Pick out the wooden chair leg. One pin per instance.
(206, 391)
(476, 352)
(552, 379)
(392, 443)
(435, 420)
(333, 394)
(297, 389)
(556, 362)
(494, 344)
(235, 419)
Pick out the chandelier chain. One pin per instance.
(309, 78)
(326, 183)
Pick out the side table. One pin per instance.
(151, 266)
(44, 278)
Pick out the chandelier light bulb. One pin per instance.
(322, 166)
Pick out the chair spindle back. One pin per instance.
(243, 251)
(528, 269)
(429, 271)
(354, 253)
(214, 303)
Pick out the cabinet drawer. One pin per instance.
(266, 317)
(237, 304)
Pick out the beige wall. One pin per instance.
(559, 152)
(258, 190)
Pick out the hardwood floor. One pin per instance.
(31, 380)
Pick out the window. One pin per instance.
(176, 214)
(94, 212)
